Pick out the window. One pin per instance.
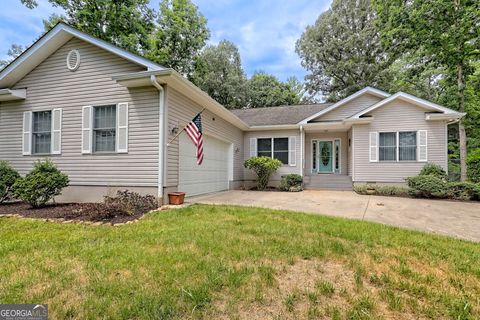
(280, 149)
(337, 156)
(407, 148)
(264, 147)
(104, 128)
(276, 148)
(387, 146)
(42, 132)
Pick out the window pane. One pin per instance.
(407, 146)
(105, 117)
(264, 145)
(41, 143)
(41, 135)
(388, 146)
(281, 155)
(280, 144)
(104, 140)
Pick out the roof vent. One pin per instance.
(73, 60)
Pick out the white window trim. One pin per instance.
(32, 153)
(271, 138)
(397, 155)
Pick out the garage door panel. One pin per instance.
(211, 175)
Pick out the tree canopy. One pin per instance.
(14, 51)
(265, 90)
(181, 32)
(342, 51)
(219, 72)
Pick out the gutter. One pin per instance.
(161, 135)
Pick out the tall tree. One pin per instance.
(447, 31)
(342, 51)
(180, 34)
(14, 51)
(219, 72)
(125, 23)
(264, 90)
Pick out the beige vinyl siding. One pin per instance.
(181, 111)
(285, 169)
(350, 108)
(51, 85)
(326, 136)
(397, 116)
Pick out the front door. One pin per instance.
(325, 159)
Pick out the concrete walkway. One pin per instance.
(453, 218)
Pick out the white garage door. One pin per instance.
(212, 175)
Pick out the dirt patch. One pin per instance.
(311, 289)
(68, 211)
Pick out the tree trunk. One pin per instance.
(461, 127)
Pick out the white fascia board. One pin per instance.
(183, 85)
(409, 98)
(444, 116)
(9, 95)
(274, 127)
(370, 90)
(50, 42)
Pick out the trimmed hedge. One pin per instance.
(291, 182)
(8, 176)
(264, 167)
(41, 184)
(380, 190)
(473, 166)
(433, 170)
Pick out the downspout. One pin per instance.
(161, 135)
(302, 145)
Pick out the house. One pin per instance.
(106, 117)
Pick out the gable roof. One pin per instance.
(369, 90)
(281, 115)
(52, 41)
(409, 98)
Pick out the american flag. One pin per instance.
(194, 131)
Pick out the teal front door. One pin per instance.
(325, 159)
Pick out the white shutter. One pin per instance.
(422, 142)
(56, 131)
(27, 133)
(122, 127)
(373, 146)
(87, 126)
(253, 147)
(292, 151)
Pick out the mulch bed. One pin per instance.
(67, 211)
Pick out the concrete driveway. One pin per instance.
(453, 218)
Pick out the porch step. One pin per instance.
(328, 182)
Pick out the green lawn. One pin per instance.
(231, 262)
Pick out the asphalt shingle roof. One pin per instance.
(278, 115)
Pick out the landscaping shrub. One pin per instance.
(433, 170)
(124, 203)
(264, 167)
(291, 182)
(427, 186)
(41, 184)
(8, 176)
(464, 190)
(473, 166)
(380, 190)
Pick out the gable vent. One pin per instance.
(73, 60)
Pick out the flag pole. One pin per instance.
(176, 136)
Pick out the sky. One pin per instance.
(265, 31)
